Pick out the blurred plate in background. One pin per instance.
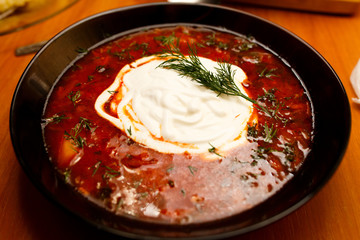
(31, 13)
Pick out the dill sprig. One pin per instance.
(56, 118)
(221, 81)
(74, 134)
(270, 132)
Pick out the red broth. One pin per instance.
(110, 169)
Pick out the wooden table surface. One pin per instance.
(334, 213)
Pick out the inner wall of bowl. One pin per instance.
(327, 94)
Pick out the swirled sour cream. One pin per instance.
(164, 111)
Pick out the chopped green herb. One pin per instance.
(143, 195)
(124, 54)
(143, 46)
(105, 192)
(192, 169)
(183, 192)
(96, 167)
(213, 150)
(267, 73)
(119, 203)
(112, 92)
(67, 174)
(171, 183)
(77, 141)
(252, 131)
(210, 39)
(269, 132)
(167, 40)
(246, 46)
(129, 131)
(244, 177)
(261, 152)
(253, 175)
(110, 173)
(76, 67)
(269, 96)
(129, 141)
(274, 111)
(74, 97)
(137, 183)
(56, 118)
(74, 136)
(289, 152)
(170, 169)
(100, 68)
(223, 46)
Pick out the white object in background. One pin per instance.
(355, 81)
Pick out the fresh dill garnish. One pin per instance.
(76, 67)
(289, 151)
(212, 41)
(112, 92)
(74, 97)
(67, 174)
(253, 175)
(105, 192)
(244, 177)
(143, 195)
(143, 46)
(261, 152)
(192, 169)
(100, 68)
(169, 169)
(56, 118)
(267, 73)
(171, 183)
(273, 110)
(74, 134)
(252, 131)
(183, 192)
(124, 54)
(119, 204)
(221, 82)
(129, 131)
(270, 132)
(254, 163)
(110, 173)
(213, 150)
(269, 96)
(167, 40)
(246, 46)
(96, 167)
(137, 183)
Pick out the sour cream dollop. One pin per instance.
(170, 113)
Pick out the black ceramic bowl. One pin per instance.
(330, 103)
